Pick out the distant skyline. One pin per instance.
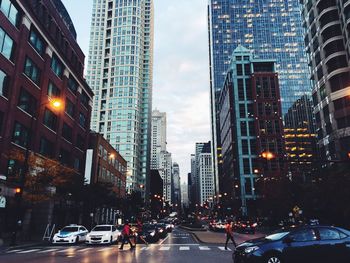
(181, 71)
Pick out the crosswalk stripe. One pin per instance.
(204, 248)
(14, 251)
(68, 250)
(48, 250)
(104, 249)
(164, 248)
(145, 248)
(84, 249)
(223, 249)
(28, 251)
(184, 248)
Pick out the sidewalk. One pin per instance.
(220, 237)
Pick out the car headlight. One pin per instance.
(251, 249)
(152, 233)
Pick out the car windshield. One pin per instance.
(277, 236)
(70, 229)
(101, 228)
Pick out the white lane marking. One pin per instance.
(28, 251)
(164, 239)
(204, 248)
(164, 248)
(223, 249)
(14, 251)
(48, 250)
(67, 250)
(145, 248)
(84, 249)
(184, 248)
(104, 249)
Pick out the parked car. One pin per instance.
(70, 234)
(150, 233)
(245, 225)
(304, 244)
(103, 234)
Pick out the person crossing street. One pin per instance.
(229, 233)
(126, 232)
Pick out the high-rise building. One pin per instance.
(327, 40)
(119, 72)
(176, 187)
(165, 172)
(250, 128)
(300, 140)
(205, 175)
(184, 195)
(272, 30)
(158, 137)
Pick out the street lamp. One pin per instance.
(268, 155)
(56, 104)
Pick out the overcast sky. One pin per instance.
(181, 71)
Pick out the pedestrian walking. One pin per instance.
(126, 235)
(229, 233)
(140, 232)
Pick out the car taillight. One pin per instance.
(243, 225)
(254, 225)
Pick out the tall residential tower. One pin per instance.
(120, 74)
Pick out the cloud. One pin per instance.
(181, 75)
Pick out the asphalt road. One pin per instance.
(177, 247)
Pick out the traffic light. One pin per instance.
(349, 155)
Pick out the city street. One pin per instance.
(179, 246)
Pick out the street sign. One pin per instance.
(2, 201)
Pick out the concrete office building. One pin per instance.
(327, 42)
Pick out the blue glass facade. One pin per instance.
(272, 29)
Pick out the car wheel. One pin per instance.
(273, 259)
(77, 240)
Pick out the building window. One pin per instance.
(64, 157)
(80, 143)
(246, 166)
(50, 119)
(37, 42)
(10, 11)
(20, 135)
(57, 66)
(4, 84)
(67, 132)
(70, 108)
(77, 164)
(72, 85)
(82, 120)
(6, 45)
(32, 71)
(46, 147)
(53, 91)
(27, 102)
(84, 98)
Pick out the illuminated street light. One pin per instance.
(256, 171)
(268, 155)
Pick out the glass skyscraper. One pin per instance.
(272, 29)
(120, 74)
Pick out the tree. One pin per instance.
(45, 177)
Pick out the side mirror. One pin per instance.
(288, 240)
